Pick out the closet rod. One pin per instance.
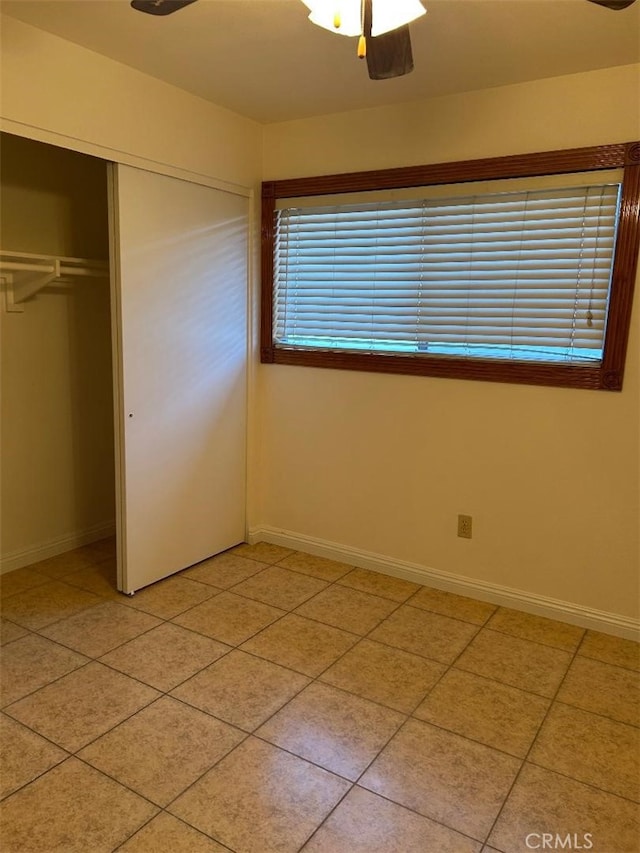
(60, 270)
(24, 274)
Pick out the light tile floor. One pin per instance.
(266, 700)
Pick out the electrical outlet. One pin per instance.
(464, 526)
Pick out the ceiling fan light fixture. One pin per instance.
(388, 15)
(345, 16)
(338, 16)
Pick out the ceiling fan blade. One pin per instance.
(389, 54)
(160, 7)
(616, 5)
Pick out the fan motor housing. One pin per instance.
(160, 7)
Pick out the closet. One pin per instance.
(57, 449)
(124, 351)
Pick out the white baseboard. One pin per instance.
(552, 608)
(53, 547)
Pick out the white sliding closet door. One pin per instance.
(179, 285)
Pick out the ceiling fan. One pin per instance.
(384, 41)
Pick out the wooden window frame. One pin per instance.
(606, 376)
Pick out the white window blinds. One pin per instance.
(512, 275)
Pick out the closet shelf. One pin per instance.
(25, 274)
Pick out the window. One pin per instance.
(513, 275)
(477, 270)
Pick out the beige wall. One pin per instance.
(385, 463)
(550, 476)
(54, 91)
(57, 411)
(49, 84)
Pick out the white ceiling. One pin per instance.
(265, 60)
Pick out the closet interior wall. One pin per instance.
(57, 447)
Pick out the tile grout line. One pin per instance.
(411, 717)
(74, 754)
(163, 694)
(586, 784)
(5, 708)
(596, 713)
(533, 741)
(249, 734)
(161, 812)
(484, 624)
(316, 679)
(394, 734)
(66, 757)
